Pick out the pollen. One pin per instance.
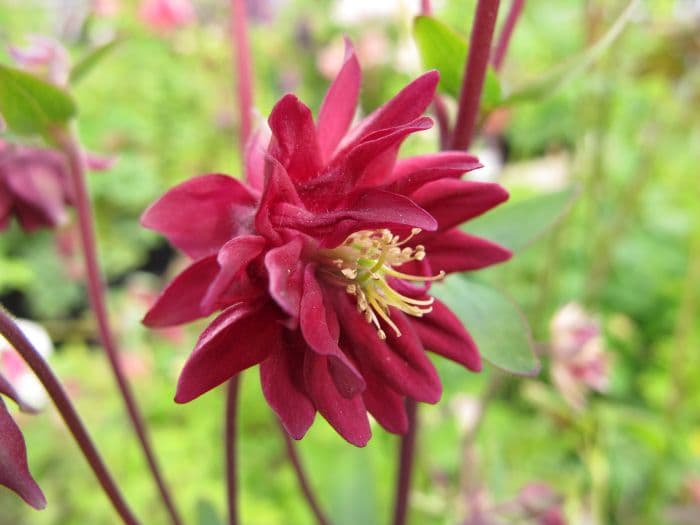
(364, 262)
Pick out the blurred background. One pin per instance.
(607, 433)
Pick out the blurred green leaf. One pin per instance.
(517, 225)
(30, 105)
(551, 81)
(91, 59)
(444, 49)
(494, 321)
(207, 513)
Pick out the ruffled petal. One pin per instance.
(242, 336)
(233, 258)
(442, 333)
(347, 416)
(279, 190)
(181, 301)
(409, 104)
(294, 142)
(400, 361)
(314, 322)
(338, 107)
(282, 380)
(456, 251)
(14, 470)
(201, 214)
(452, 201)
(286, 274)
(413, 172)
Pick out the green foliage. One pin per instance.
(32, 106)
(499, 329)
(91, 59)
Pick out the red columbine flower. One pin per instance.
(321, 262)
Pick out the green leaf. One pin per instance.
(207, 513)
(516, 225)
(85, 65)
(30, 105)
(444, 49)
(551, 81)
(497, 325)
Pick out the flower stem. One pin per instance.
(425, 7)
(303, 480)
(11, 332)
(475, 72)
(76, 160)
(242, 64)
(506, 33)
(230, 445)
(406, 456)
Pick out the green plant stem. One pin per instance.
(70, 146)
(11, 332)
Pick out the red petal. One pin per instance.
(14, 470)
(294, 139)
(441, 332)
(314, 326)
(255, 152)
(233, 258)
(201, 214)
(452, 201)
(286, 273)
(347, 416)
(281, 377)
(278, 189)
(181, 300)
(411, 173)
(456, 251)
(400, 361)
(407, 105)
(338, 107)
(240, 337)
(371, 162)
(384, 403)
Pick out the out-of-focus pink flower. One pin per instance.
(579, 360)
(44, 57)
(166, 15)
(321, 262)
(30, 394)
(18, 383)
(34, 187)
(106, 7)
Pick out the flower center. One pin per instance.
(364, 262)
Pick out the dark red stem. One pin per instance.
(76, 160)
(11, 332)
(230, 445)
(403, 484)
(475, 73)
(303, 480)
(242, 63)
(501, 49)
(443, 121)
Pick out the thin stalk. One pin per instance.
(425, 7)
(76, 161)
(11, 332)
(516, 8)
(406, 456)
(230, 446)
(242, 65)
(443, 120)
(475, 73)
(321, 519)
